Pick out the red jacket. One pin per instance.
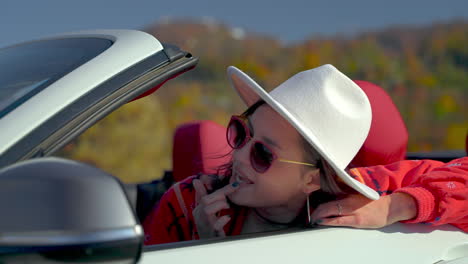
(172, 219)
(440, 190)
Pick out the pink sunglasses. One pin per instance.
(261, 156)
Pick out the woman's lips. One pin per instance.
(241, 179)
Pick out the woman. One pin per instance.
(290, 152)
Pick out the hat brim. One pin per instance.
(251, 92)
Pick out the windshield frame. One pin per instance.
(46, 60)
(130, 48)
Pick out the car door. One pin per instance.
(397, 243)
(57, 87)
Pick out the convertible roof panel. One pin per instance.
(129, 48)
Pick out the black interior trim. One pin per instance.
(173, 52)
(444, 156)
(192, 243)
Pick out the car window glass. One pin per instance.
(19, 92)
(27, 68)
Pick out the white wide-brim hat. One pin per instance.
(326, 107)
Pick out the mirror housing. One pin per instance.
(56, 210)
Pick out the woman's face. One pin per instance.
(283, 183)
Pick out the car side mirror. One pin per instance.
(56, 210)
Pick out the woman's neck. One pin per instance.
(260, 220)
(284, 214)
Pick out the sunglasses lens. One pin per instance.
(236, 133)
(261, 157)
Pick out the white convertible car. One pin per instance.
(55, 210)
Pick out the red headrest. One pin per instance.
(466, 143)
(388, 137)
(199, 147)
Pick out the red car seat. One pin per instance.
(199, 147)
(202, 147)
(388, 136)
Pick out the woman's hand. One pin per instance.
(360, 212)
(207, 207)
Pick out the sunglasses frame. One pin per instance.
(242, 119)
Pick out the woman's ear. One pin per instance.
(311, 181)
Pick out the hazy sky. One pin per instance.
(289, 20)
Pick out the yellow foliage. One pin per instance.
(312, 60)
(253, 68)
(131, 143)
(446, 104)
(456, 136)
(427, 81)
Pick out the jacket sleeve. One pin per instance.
(440, 190)
(165, 223)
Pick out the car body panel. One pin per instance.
(397, 243)
(117, 58)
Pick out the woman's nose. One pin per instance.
(241, 155)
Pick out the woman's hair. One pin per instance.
(330, 187)
(328, 176)
(225, 170)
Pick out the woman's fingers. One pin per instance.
(330, 209)
(354, 211)
(207, 207)
(346, 206)
(215, 207)
(200, 190)
(220, 194)
(348, 220)
(219, 225)
(329, 215)
(208, 180)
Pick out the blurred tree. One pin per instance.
(131, 143)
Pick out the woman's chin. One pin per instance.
(241, 197)
(246, 196)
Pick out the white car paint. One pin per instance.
(398, 243)
(129, 47)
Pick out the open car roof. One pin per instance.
(57, 103)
